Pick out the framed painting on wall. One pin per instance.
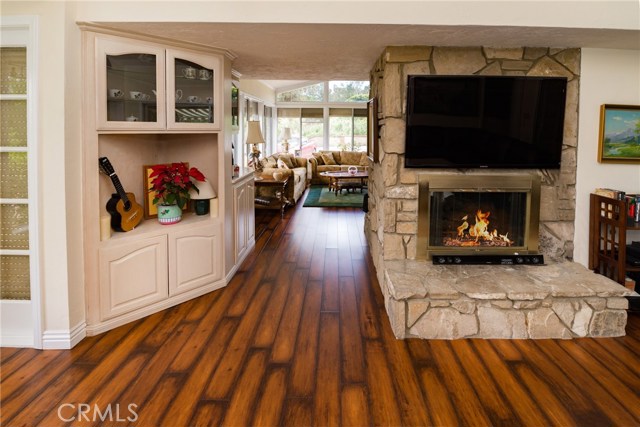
(619, 140)
(372, 129)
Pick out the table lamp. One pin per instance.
(286, 136)
(201, 198)
(254, 137)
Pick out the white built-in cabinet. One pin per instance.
(194, 258)
(143, 86)
(149, 103)
(244, 216)
(133, 275)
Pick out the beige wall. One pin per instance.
(58, 148)
(258, 90)
(609, 76)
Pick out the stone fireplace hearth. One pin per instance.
(558, 300)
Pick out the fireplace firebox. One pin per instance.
(477, 214)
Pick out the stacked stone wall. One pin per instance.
(391, 223)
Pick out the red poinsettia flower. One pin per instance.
(171, 183)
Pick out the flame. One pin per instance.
(479, 231)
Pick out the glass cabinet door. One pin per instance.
(130, 86)
(191, 91)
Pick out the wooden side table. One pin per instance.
(270, 194)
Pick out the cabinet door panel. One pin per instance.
(251, 213)
(193, 83)
(195, 258)
(240, 223)
(132, 276)
(129, 85)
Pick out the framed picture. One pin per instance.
(372, 129)
(619, 134)
(151, 210)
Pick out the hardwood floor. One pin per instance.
(300, 337)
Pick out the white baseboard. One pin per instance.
(64, 339)
(16, 341)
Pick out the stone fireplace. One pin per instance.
(559, 300)
(478, 214)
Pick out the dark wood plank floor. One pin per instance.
(300, 337)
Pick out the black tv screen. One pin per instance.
(484, 122)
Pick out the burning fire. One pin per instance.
(479, 233)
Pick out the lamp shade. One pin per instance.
(254, 134)
(286, 135)
(206, 191)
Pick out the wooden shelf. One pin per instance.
(608, 226)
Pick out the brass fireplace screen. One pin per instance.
(477, 214)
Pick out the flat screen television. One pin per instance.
(484, 122)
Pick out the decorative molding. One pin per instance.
(105, 29)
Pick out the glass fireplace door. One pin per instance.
(474, 214)
(477, 219)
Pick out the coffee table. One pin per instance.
(339, 181)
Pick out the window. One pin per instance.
(335, 121)
(311, 93)
(267, 129)
(348, 129)
(348, 91)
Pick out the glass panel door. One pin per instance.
(132, 88)
(14, 194)
(477, 219)
(130, 85)
(192, 90)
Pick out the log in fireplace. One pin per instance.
(477, 214)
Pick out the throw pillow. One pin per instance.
(364, 160)
(318, 158)
(282, 164)
(328, 158)
(271, 162)
(287, 159)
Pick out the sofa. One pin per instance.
(332, 161)
(296, 168)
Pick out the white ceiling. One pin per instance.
(276, 52)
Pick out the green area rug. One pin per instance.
(319, 197)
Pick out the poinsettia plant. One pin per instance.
(171, 183)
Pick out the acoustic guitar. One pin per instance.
(125, 212)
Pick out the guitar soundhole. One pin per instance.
(127, 205)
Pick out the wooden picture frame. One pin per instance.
(619, 137)
(372, 129)
(150, 209)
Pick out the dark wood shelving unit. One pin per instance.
(608, 225)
